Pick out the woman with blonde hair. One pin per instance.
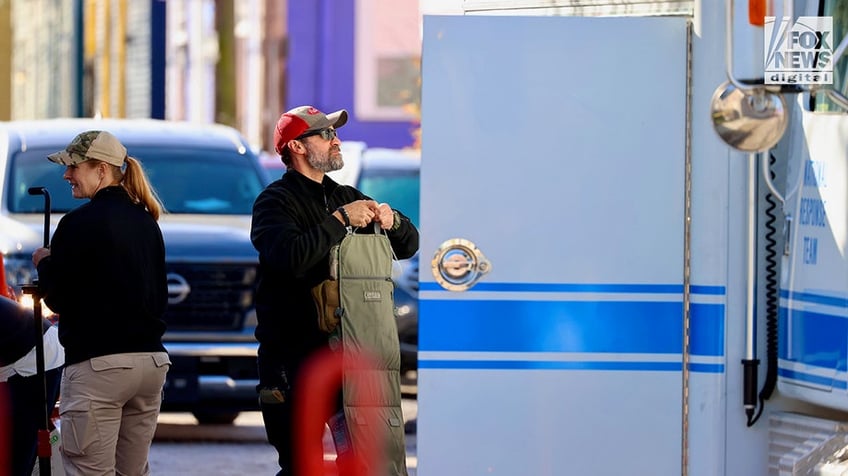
(104, 274)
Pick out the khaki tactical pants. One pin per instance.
(109, 406)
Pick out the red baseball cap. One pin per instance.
(303, 119)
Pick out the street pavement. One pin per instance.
(181, 447)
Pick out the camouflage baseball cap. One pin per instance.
(300, 120)
(98, 145)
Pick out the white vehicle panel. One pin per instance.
(573, 340)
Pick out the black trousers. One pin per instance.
(27, 409)
(274, 375)
(278, 416)
(278, 428)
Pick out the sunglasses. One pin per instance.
(326, 134)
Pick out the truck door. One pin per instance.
(552, 253)
(813, 363)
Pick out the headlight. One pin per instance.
(20, 271)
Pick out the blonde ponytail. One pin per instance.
(139, 189)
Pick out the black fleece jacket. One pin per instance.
(105, 277)
(293, 229)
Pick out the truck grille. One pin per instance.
(209, 297)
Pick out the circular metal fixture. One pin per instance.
(750, 121)
(458, 264)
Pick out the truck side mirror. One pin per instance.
(748, 120)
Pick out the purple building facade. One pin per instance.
(321, 70)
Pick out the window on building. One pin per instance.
(387, 59)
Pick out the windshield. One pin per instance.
(398, 188)
(838, 9)
(203, 181)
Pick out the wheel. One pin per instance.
(207, 417)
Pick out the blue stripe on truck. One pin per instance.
(567, 326)
(585, 288)
(817, 339)
(571, 326)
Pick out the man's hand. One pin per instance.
(360, 212)
(384, 216)
(39, 254)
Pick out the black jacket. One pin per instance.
(105, 277)
(293, 229)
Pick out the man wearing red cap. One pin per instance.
(296, 220)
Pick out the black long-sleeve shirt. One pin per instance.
(105, 277)
(293, 229)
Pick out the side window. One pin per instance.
(214, 182)
(401, 191)
(838, 9)
(187, 180)
(31, 169)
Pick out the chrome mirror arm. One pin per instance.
(728, 52)
(759, 101)
(840, 50)
(836, 97)
(748, 117)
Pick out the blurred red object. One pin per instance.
(320, 380)
(5, 290)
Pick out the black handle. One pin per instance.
(43, 443)
(749, 388)
(43, 191)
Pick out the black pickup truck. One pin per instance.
(208, 177)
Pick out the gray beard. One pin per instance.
(326, 163)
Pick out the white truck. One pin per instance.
(637, 238)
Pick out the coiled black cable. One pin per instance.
(772, 302)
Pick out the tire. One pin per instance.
(215, 418)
